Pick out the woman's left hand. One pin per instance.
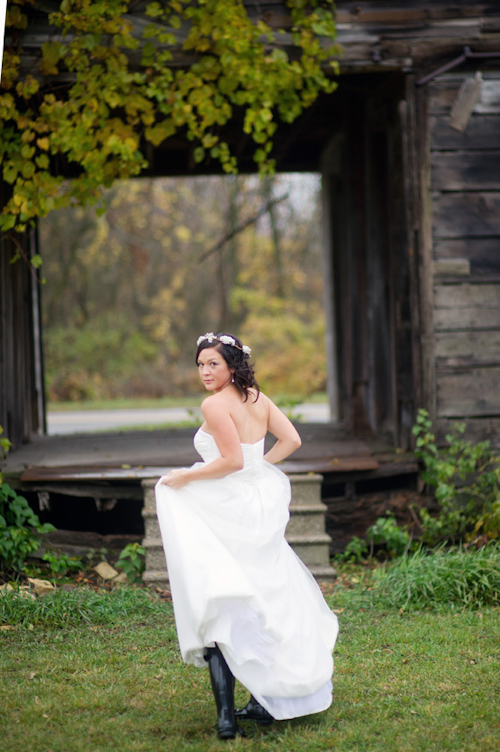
(176, 478)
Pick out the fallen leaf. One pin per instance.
(105, 571)
(32, 675)
(41, 587)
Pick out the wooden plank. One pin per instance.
(409, 12)
(91, 473)
(482, 132)
(467, 296)
(443, 92)
(458, 347)
(334, 465)
(451, 267)
(424, 250)
(482, 253)
(467, 306)
(449, 319)
(473, 392)
(457, 215)
(465, 171)
(476, 429)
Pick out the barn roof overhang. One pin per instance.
(380, 41)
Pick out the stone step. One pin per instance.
(306, 519)
(312, 549)
(155, 555)
(305, 531)
(156, 578)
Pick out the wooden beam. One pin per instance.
(425, 254)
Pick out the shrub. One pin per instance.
(466, 482)
(387, 533)
(20, 530)
(355, 551)
(131, 560)
(60, 564)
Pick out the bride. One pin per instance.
(244, 602)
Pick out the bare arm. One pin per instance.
(286, 433)
(221, 426)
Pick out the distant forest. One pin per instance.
(132, 283)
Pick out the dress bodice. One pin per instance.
(253, 454)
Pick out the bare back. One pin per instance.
(250, 418)
(250, 421)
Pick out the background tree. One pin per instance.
(129, 288)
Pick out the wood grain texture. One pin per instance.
(456, 348)
(457, 215)
(476, 429)
(443, 92)
(473, 392)
(466, 306)
(467, 296)
(467, 318)
(465, 170)
(483, 253)
(482, 132)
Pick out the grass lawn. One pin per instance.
(136, 403)
(107, 676)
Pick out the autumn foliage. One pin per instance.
(108, 81)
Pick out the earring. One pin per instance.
(232, 379)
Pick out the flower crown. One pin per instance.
(225, 339)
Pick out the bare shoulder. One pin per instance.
(215, 403)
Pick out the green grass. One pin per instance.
(133, 403)
(101, 672)
(126, 404)
(449, 577)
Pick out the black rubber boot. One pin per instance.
(223, 689)
(254, 711)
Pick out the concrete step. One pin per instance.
(305, 531)
(306, 519)
(156, 578)
(312, 549)
(155, 555)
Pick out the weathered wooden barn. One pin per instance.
(409, 151)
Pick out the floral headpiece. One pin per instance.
(225, 339)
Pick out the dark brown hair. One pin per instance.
(236, 359)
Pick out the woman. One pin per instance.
(243, 600)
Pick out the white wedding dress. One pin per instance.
(236, 582)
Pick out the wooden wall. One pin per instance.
(465, 191)
(21, 366)
(370, 272)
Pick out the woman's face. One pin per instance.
(214, 372)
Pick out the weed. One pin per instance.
(131, 560)
(20, 530)
(466, 479)
(446, 577)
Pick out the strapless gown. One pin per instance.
(236, 582)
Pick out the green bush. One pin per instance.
(355, 551)
(452, 577)
(20, 530)
(60, 564)
(466, 482)
(387, 533)
(131, 560)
